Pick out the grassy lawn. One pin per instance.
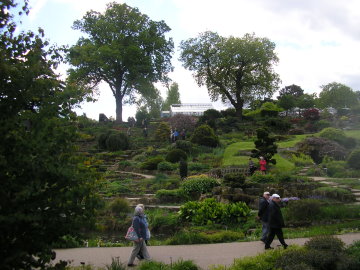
(353, 133)
(231, 158)
(293, 142)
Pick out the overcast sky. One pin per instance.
(317, 41)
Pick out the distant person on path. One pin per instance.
(147, 238)
(176, 135)
(252, 167)
(183, 134)
(139, 225)
(263, 215)
(262, 163)
(145, 132)
(276, 222)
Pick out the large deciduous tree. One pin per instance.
(173, 96)
(123, 48)
(47, 191)
(338, 96)
(237, 70)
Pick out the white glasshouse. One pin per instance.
(196, 109)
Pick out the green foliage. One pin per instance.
(163, 221)
(48, 189)
(354, 250)
(198, 167)
(300, 159)
(263, 261)
(354, 159)
(210, 211)
(151, 163)
(176, 155)
(338, 136)
(303, 210)
(171, 196)
(102, 140)
(265, 146)
(335, 193)
(338, 96)
(206, 53)
(257, 177)
(115, 264)
(199, 184)
(140, 62)
(186, 146)
(172, 97)
(178, 265)
(183, 169)
(204, 135)
(166, 166)
(117, 141)
(162, 133)
(326, 243)
(234, 179)
(194, 237)
(120, 206)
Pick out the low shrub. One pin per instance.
(120, 206)
(257, 177)
(178, 265)
(116, 264)
(166, 166)
(301, 160)
(190, 238)
(205, 135)
(183, 169)
(339, 194)
(234, 180)
(196, 185)
(124, 164)
(302, 210)
(162, 221)
(151, 163)
(171, 196)
(198, 167)
(186, 146)
(354, 250)
(210, 211)
(326, 243)
(176, 155)
(354, 159)
(117, 141)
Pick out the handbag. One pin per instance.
(131, 234)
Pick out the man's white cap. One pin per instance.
(276, 195)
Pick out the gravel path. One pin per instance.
(202, 255)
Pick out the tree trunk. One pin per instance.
(119, 109)
(239, 109)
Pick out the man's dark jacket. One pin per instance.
(263, 209)
(275, 216)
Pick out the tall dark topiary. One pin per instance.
(183, 169)
(265, 146)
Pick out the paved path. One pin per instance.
(202, 255)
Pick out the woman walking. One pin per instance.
(140, 228)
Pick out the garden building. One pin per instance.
(196, 109)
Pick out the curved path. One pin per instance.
(203, 255)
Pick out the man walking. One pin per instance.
(263, 215)
(276, 222)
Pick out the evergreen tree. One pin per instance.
(265, 146)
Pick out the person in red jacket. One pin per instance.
(262, 163)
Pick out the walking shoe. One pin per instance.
(269, 248)
(285, 246)
(131, 264)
